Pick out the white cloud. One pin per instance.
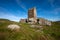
(55, 11)
(21, 5)
(55, 19)
(10, 16)
(3, 9)
(51, 2)
(51, 14)
(22, 13)
(4, 13)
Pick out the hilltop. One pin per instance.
(28, 33)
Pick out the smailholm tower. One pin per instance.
(32, 15)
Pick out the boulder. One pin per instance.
(13, 27)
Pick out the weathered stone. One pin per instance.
(32, 15)
(32, 18)
(13, 27)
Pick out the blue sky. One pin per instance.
(18, 9)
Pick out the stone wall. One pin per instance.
(32, 18)
(42, 21)
(23, 20)
(32, 15)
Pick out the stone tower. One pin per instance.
(32, 15)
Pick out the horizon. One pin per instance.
(18, 9)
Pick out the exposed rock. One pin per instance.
(13, 27)
(35, 26)
(32, 26)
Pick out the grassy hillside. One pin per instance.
(28, 33)
(54, 30)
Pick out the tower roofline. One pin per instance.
(32, 8)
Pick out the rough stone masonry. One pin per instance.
(32, 18)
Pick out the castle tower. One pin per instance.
(32, 15)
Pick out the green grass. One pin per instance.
(28, 33)
(53, 30)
